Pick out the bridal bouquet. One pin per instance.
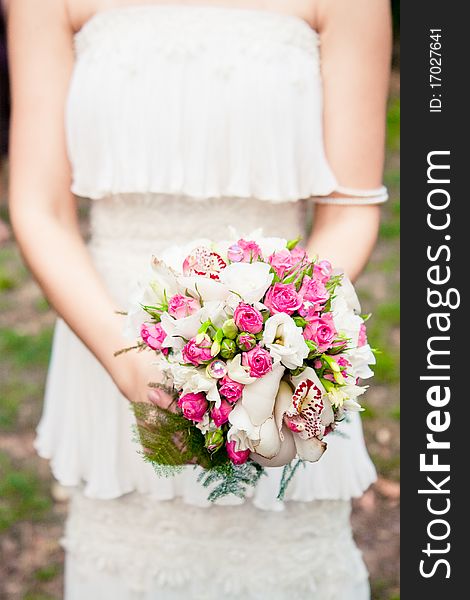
(262, 349)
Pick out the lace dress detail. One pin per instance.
(234, 554)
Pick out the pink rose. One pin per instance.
(153, 335)
(247, 318)
(309, 310)
(299, 256)
(362, 340)
(220, 415)
(246, 341)
(251, 250)
(281, 262)
(258, 360)
(231, 390)
(180, 306)
(322, 270)
(238, 457)
(282, 298)
(321, 331)
(313, 290)
(194, 406)
(195, 353)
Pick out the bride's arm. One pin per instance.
(43, 211)
(355, 59)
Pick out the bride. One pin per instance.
(177, 120)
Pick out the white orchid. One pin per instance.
(249, 281)
(253, 421)
(242, 431)
(285, 341)
(294, 415)
(275, 422)
(203, 288)
(239, 372)
(179, 330)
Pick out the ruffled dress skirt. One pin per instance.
(131, 535)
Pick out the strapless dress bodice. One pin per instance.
(200, 101)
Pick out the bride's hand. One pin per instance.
(134, 379)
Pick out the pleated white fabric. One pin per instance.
(208, 101)
(182, 121)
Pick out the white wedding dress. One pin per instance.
(182, 121)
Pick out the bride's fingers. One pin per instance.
(160, 398)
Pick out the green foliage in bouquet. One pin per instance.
(231, 479)
(169, 439)
(288, 473)
(170, 442)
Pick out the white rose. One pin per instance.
(285, 341)
(249, 281)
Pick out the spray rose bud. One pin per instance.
(195, 352)
(238, 457)
(230, 389)
(214, 440)
(194, 406)
(258, 361)
(153, 335)
(228, 348)
(230, 329)
(246, 341)
(248, 318)
(220, 415)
